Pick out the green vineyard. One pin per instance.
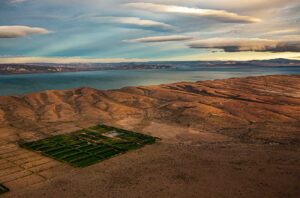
(88, 146)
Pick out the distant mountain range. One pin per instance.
(75, 67)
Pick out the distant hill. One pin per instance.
(75, 67)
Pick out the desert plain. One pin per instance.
(237, 137)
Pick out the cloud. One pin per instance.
(219, 15)
(235, 4)
(66, 60)
(289, 46)
(17, 1)
(129, 21)
(247, 44)
(160, 39)
(283, 31)
(20, 31)
(110, 23)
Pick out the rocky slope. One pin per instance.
(255, 109)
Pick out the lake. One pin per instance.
(113, 79)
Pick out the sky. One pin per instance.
(66, 31)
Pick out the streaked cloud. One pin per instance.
(135, 21)
(20, 31)
(235, 4)
(247, 44)
(279, 32)
(66, 60)
(168, 38)
(17, 1)
(219, 15)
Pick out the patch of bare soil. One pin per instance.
(182, 170)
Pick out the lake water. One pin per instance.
(27, 83)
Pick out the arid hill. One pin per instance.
(221, 138)
(254, 109)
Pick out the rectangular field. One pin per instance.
(88, 146)
(3, 189)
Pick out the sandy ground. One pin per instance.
(194, 165)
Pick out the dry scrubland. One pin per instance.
(222, 138)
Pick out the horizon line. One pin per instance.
(81, 60)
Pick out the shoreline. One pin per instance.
(115, 86)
